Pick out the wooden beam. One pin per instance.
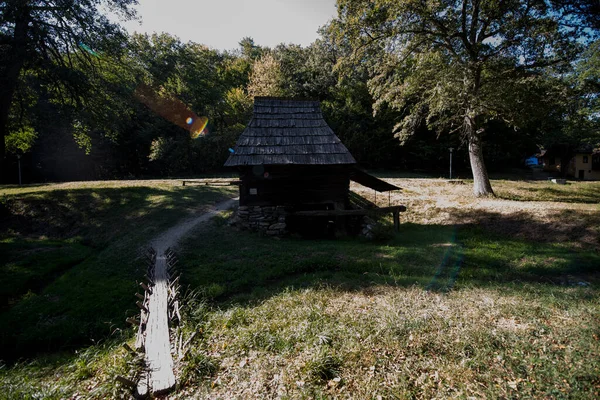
(140, 305)
(126, 382)
(332, 213)
(130, 350)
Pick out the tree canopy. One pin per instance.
(399, 82)
(53, 38)
(457, 65)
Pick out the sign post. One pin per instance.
(451, 149)
(19, 164)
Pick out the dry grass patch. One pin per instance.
(532, 210)
(401, 343)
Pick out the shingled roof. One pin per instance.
(284, 132)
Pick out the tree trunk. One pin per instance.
(481, 182)
(8, 79)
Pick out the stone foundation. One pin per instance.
(267, 220)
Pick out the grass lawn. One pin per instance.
(436, 311)
(70, 256)
(482, 298)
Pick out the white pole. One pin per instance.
(451, 162)
(19, 163)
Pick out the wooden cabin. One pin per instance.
(290, 161)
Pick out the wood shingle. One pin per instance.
(288, 132)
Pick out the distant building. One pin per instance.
(582, 163)
(550, 160)
(585, 165)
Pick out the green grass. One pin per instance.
(483, 310)
(226, 263)
(73, 257)
(89, 373)
(435, 311)
(29, 265)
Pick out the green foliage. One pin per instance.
(196, 367)
(456, 65)
(266, 78)
(373, 73)
(21, 140)
(50, 40)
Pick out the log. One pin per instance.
(146, 288)
(142, 387)
(140, 305)
(126, 382)
(129, 349)
(150, 281)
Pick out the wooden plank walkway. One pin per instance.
(154, 333)
(158, 349)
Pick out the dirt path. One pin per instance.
(170, 237)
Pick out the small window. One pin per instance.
(585, 159)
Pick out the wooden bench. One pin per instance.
(207, 182)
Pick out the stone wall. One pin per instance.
(268, 220)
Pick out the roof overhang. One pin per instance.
(370, 181)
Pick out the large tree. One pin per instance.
(49, 35)
(455, 65)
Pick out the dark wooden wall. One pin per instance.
(295, 185)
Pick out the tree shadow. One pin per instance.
(247, 268)
(230, 268)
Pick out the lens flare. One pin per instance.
(198, 127)
(173, 110)
(88, 49)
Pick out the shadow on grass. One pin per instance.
(81, 293)
(569, 193)
(30, 265)
(89, 300)
(240, 267)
